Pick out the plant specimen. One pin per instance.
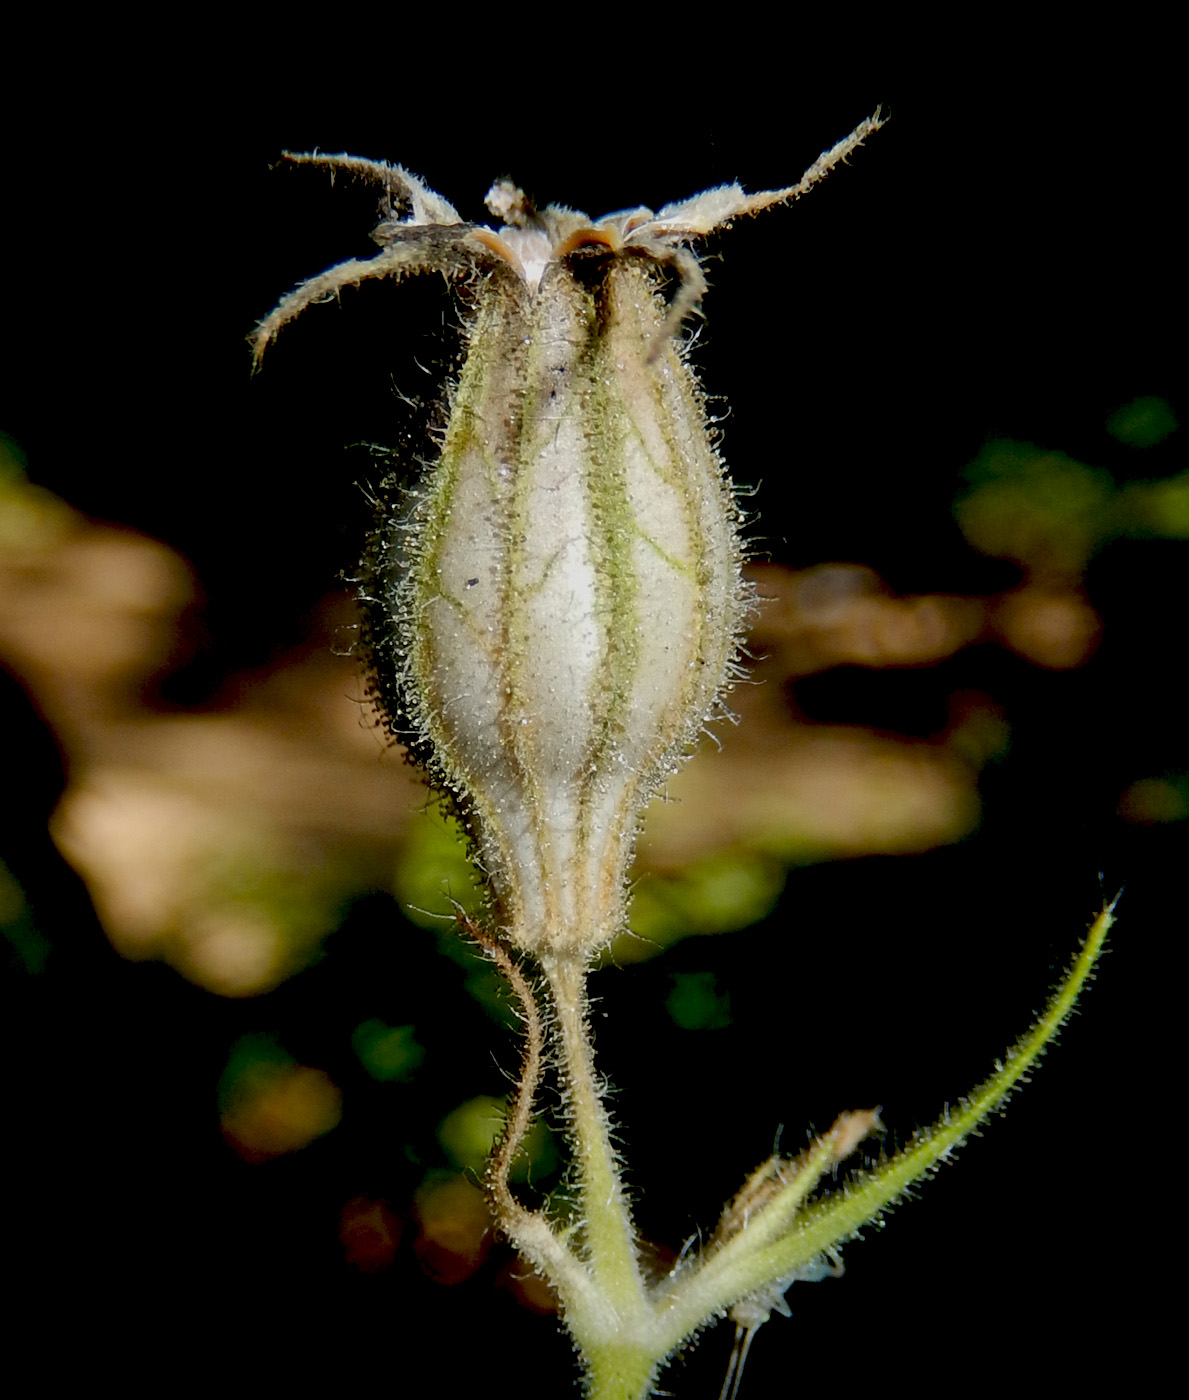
(551, 620)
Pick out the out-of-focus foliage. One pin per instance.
(1042, 509)
(1051, 513)
(1164, 799)
(270, 1105)
(1144, 422)
(28, 946)
(718, 894)
(469, 1132)
(696, 1003)
(434, 877)
(390, 1054)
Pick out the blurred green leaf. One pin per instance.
(30, 946)
(1144, 422)
(433, 872)
(388, 1053)
(696, 1004)
(724, 892)
(469, 1132)
(1043, 509)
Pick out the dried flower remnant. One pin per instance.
(551, 623)
(777, 1185)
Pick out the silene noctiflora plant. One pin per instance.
(550, 624)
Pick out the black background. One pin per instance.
(999, 260)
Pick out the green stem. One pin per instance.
(607, 1224)
(617, 1372)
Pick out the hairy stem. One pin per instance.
(528, 1230)
(610, 1239)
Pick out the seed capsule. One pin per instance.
(558, 616)
(573, 598)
